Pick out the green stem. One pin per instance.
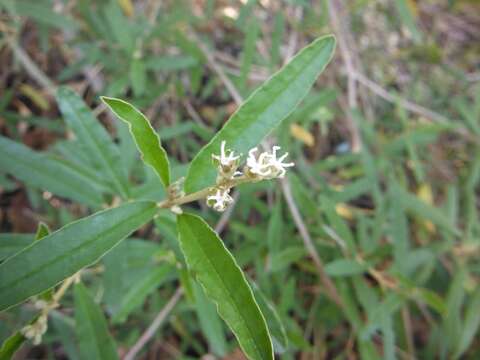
(201, 194)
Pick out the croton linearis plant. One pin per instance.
(43, 271)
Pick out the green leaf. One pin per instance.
(225, 284)
(337, 223)
(13, 243)
(471, 324)
(275, 230)
(126, 264)
(210, 322)
(408, 18)
(44, 14)
(344, 267)
(94, 339)
(140, 290)
(93, 137)
(42, 231)
(11, 345)
(47, 173)
(263, 110)
(286, 257)
(147, 140)
(413, 204)
(45, 263)
(64, 328)
(138, 76)
(277, 330)
(170, 63)
(249, 50)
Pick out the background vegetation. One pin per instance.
(368, 250)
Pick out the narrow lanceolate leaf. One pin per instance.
(94, 339)
(11, 345)
(47, 173)
(45, 263)
(263, 110)
(11, 243)
(471, 325)
(93, 137)
(344, 267)
(225, 284)
(145, 137)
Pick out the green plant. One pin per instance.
(93, 172)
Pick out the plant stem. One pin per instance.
(201, 194)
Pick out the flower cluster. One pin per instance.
(264, 167)
(36, 329)
(219, 199)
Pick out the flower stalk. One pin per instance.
(38, 327)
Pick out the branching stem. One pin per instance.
(201, 194)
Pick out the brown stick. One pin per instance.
(152, 329)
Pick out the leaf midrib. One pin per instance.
(152, 161)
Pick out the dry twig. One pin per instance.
(151, 330)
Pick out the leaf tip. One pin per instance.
(107, 100)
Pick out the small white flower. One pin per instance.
(36, 330)
(267, 166)
(277, 166)
(227, 164)
(258, 166)
(220, 199)
(227, 157)
(176, 210)
(40, 304)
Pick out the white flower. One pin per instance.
(227, 164)
(36, 330)
(220, 199)
(258, 166)
(227, 157)
(277, 165)
(267, 166)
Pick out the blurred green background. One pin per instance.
(386, 148)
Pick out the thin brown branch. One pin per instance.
(410, 106)
(157, 322)
(218, 70)
(331, 291)
(30, 67)
(344, 51)
(347, 57)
